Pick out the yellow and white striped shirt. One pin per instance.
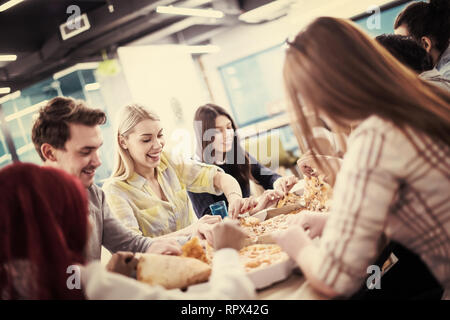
(136, 205)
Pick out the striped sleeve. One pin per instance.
(364, 191)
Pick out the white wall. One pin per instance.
(164, 79)
(244, 40)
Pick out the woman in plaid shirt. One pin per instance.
(395, 177)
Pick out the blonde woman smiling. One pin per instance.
(147, 190)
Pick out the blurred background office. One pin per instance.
(170, 55)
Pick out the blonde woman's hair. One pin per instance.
(128, 118)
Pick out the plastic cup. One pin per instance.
(219, 209)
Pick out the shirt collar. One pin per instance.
(139, 181)
(163, 164)
(445, 58)
(430, 74)
(136, 180)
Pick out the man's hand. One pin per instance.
(124, 263)
(168, 246)
(228, 234)
(204, 232)
(202, 228)
(210, 219)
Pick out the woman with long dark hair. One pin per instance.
(428, 23)
(394, 180)
(218, 144)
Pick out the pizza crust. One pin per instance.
(171, 271)
(193, 249)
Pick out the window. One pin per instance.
(254, 86)
(387, 19)
(5, 157)
(19, 115)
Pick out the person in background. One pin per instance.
(218, 144)
(394, 178)
(45, 229)
(428, 24)
(67, 136)
(412, 55)
(148, 188)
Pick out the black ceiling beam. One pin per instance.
(100, 19)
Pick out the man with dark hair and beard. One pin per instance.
(67, 136)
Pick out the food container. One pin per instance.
(261, 278)
(274, 273)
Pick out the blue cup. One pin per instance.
(219, 209)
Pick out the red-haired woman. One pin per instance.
(395, 176)
(43, 234)
(43, 231)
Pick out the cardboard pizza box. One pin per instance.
(261, 278)
(265, 277)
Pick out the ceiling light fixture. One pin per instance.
(79, 66)
(92, 86)
(5, 90)
(207, 13)
(10, 96)
(202, 49)
(267, 12)
(9, 4)
(8, 57)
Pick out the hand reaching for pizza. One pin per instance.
(292, 240)
(202, 228)
(204, 232)
(239, 205)
(285, 184)
(309, 220)
(165, 246)
(210, 219)
(228, 234)
(330, 166)
(267, 199)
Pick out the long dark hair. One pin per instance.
(205, 119)
(431, 20)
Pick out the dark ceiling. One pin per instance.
(31, 31)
